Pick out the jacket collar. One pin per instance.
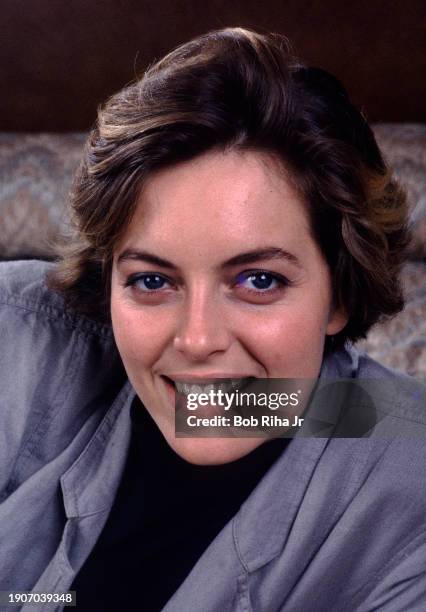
(90, 484)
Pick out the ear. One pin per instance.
(337, 320)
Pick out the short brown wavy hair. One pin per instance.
(237, 89)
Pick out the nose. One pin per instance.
(202, 330)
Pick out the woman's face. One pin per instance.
(218, 276)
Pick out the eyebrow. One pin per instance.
(137, 255)
(243, 258)
(262, 255)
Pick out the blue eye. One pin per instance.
(148, 282)
(260, 281)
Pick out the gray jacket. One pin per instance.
(335, 525)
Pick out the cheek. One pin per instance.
(140, 336)
(288, 341)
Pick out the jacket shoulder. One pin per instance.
(23, 286)
(397, 395)
(56, 369)
(25, 279)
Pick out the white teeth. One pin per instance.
(187, 388)
(224, 386)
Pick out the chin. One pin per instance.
(213, 451)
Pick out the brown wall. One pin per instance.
(60, 58)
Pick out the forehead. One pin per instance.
(220, 199)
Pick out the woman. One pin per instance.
(234, 219)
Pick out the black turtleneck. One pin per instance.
(166, 513)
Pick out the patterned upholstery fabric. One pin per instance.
(400, 342)
(36, 172)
